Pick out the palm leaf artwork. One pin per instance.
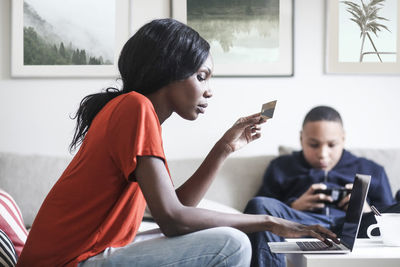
(367, 18)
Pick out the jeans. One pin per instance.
(221, 246)
(262, 255)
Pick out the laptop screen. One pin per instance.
(354, 210)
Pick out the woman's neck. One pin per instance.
(161, 105)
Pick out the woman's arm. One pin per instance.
(174, 218)
(244, 131)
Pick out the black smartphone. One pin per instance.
(337, 194)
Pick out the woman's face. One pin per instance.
(322, 143)
(189, 97)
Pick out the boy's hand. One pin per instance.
(344, 203)
(310, 200)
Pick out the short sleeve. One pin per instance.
(134, 130)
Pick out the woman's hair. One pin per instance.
(160, 52)
(323, 113)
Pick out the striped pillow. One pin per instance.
(8, 257)
(11, 221)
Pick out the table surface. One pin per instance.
(366, 252)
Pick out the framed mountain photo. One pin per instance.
(363, 36)
(74, 38)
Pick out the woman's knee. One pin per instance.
(236, 246)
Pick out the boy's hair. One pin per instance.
(323, 113)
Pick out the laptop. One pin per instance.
(350, 227)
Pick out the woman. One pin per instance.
(91, 215)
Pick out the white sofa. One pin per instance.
(28, 178)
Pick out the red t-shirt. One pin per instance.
(94, 204)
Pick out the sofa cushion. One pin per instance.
(204, 204)
(148, 223)
(214, 205)
(28, 179)
(236, 183)
(385, 157)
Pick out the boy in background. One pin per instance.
(292, 184)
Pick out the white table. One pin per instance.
(365, 253)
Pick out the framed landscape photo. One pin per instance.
(363, 36)
(74, 38)
(247, 37)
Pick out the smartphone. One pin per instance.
(337, 194)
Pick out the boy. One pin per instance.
(291, 183)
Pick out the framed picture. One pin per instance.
(247, 38)
(74, 38)
(363, 36)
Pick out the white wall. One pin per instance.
(34, 113)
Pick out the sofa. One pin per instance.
(28, 178)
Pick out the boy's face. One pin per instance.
(322, 143)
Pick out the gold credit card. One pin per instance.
(267, 110)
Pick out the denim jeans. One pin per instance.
(221, 246)
(262, 256)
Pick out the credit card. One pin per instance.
(267, 110)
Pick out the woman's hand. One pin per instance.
(244, 131)
(310, 200)
(291, 229)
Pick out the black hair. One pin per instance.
(323, 113)
(160, 52)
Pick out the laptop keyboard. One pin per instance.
(316, 245)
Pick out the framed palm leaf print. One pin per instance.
(363, 36)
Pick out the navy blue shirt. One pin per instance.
(288, 177)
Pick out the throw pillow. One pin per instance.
(11, 221)
(8, 256)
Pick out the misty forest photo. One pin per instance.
(60, 32)
(239, 31)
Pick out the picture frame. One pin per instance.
(347, 52)
(268, 53)
(31, 63)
